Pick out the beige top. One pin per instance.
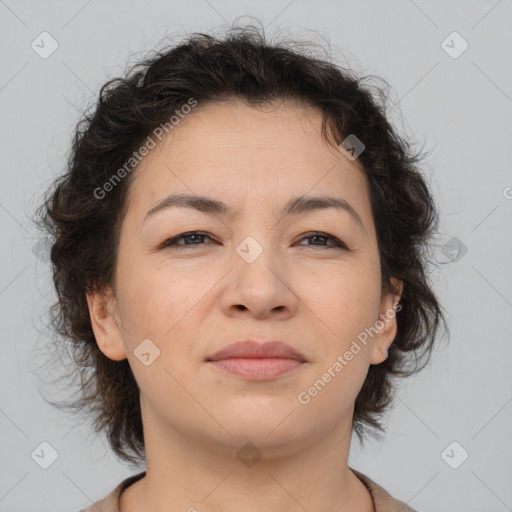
(382, 500)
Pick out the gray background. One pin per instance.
(460, 106)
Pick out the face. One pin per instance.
(309, 277)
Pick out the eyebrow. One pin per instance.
(295, 206)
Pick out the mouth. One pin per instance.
(253, 360)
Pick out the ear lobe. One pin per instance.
(386, 325)
(106, 324)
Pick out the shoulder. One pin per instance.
(110, 503)
(383, 501)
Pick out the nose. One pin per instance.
(260, 288)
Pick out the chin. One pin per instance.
(266, 427)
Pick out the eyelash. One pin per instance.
(172, 241)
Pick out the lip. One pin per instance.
(255, 360)
(251, 349)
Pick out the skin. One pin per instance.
(193, 300)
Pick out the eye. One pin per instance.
(195, 236)
(338, 244)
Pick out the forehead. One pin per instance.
(286, 131)
(251, 155)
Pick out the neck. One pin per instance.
(199, 475)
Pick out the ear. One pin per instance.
(106, 324)
(386, 326)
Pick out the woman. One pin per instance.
(238, 255)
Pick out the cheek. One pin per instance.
(346, 299)
(331, 394)
(149, 303)
(166, 307)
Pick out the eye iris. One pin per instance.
(192, 236)
(317, 237)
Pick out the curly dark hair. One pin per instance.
(242, 64)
